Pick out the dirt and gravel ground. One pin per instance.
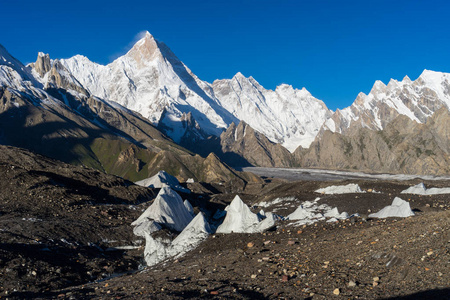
(59, 225)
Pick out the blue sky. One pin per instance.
(335, 49)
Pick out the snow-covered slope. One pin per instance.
(288, 116)
(417, 100)
(17, 77)
(151, 80)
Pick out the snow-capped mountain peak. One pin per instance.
(417, 100)
(145, 50)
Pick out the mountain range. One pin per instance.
(154, 112)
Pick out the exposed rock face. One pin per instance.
(404, 146)
(243, 142)
(42, 64)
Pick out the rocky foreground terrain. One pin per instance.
(65, 233)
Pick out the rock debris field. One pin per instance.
(66, 233)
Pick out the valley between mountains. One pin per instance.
(137, 179)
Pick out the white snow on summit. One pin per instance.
(417, 100)
(151, 80)
(288, 116)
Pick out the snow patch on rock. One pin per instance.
(340, 189)
(310, 212)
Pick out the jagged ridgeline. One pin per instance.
(45, 109)
(131, 116)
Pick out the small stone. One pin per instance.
(284, 278)
(214, 293)
(351, 283)
(336, 292)
(375, 283)
(291, 242)
(376, 279)
(253, 276)
(429, 253)
(266, 242)
(33, 273)
(250, 245)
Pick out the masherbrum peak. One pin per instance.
(151, 80)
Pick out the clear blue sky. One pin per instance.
(335, 49)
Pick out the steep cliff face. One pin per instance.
(404, 146)
(242, 144)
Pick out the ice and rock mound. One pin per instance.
(310, 212)
(157, 251)
(398, 208)
(163, 179)
(197, 231)
(167, 209)
(334, 213)
(145, 226)
(340, 189)
(420, 189)
(240, 219)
